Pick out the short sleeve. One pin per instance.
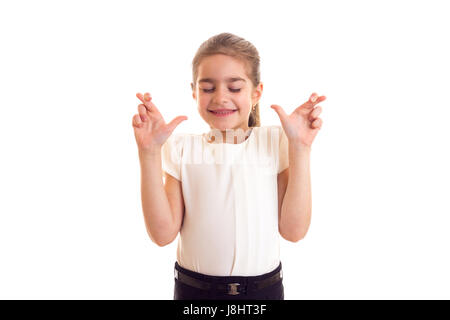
(171, 153)
(283, 151)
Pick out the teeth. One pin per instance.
(223, 112)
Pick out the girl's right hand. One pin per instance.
(150, 129)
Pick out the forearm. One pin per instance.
(155, 205)
(297, 202)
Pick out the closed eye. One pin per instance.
(211, 90)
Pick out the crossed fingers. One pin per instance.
(147, 104)
(314, 112)
(313, 100)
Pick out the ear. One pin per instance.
(193, 91)
(257, 92)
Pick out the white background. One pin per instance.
(71, 225)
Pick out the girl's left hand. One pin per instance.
(302, 125)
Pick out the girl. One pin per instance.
(227, 192)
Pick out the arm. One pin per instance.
(162, 205)
(301, 127)
(155, 204)
(296, 205)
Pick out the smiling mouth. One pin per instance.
(222, 113)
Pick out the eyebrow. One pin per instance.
(232, 79)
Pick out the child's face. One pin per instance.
(220, 92)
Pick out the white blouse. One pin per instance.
(230, 225)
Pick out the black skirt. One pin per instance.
(190, 285)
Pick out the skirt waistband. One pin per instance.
(227, 279)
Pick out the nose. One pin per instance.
(220, 96)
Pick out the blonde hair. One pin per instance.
(236, 47)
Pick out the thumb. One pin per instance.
(279, 110)
(175, 122)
